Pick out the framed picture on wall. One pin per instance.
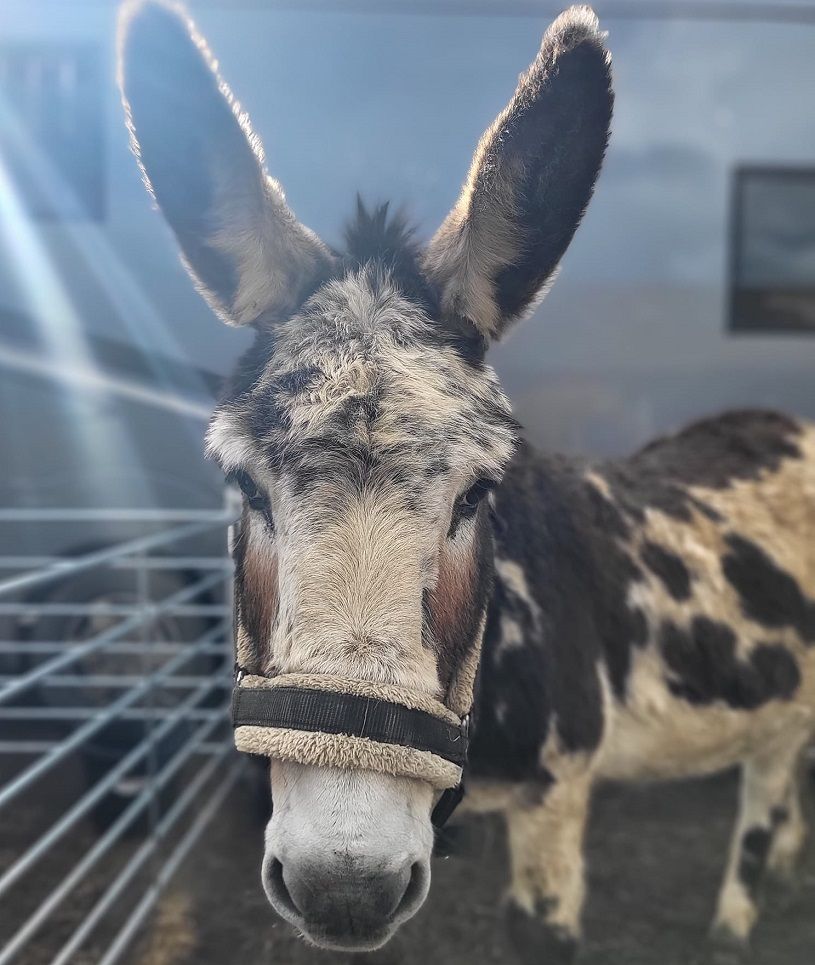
(772, 256)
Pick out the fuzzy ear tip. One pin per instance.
(577, 16)
(576, 25)
(156, 38)
(144, 21)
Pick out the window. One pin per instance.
(773, 250)
(51, 129)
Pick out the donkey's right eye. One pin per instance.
(250, 490)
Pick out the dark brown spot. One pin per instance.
(755, 846)
(639, 628)
(779, 815)
(768, 594)
(716, 452)
(669, 568)
(705, 667)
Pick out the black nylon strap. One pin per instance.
(446, 804)
(323, 711)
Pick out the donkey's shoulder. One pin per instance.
(718, 451)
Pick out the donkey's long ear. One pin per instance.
(243, 246)
(530, 181)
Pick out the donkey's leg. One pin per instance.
(547, 889)
(767, 787)
(790, 832)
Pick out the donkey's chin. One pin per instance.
(317, 934)
(333, 943)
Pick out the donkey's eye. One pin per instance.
(467, 503)
(254, 496)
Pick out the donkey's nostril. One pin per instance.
(277, 890)
(415, 891)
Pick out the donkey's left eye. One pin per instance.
(468, 503)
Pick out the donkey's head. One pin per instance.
(364, 426)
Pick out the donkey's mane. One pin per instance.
(376, 234)
(385, 241)
(378, 238)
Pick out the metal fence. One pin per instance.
(115, 748)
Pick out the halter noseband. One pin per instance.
(339, 722)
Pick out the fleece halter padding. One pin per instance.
(341, 722)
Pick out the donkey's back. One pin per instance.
(719, 522)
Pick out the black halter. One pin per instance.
(382, 721)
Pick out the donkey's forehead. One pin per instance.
(362, 375)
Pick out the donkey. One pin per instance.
(652, 617)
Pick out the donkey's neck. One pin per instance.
(557, 609)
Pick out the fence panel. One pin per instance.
(115, 745)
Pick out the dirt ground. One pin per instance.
(655, 858)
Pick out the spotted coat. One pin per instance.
(642, 605)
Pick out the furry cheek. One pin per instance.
(454, 606)
(257, 594)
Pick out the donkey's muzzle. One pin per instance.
(345, 907)
(339, 722)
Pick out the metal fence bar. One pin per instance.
(103, 609)
(22, 748)
(95, 681)
(90, 798)
(171, 865)
(214, 517)
(81, 734)
(25, 747)
(125, 819)
(83, 713)
(24, 648)
(108, 636)
(154, 563)
(127, 874)
(89, 561)
(212, 747)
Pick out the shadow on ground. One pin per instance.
(655, 858)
